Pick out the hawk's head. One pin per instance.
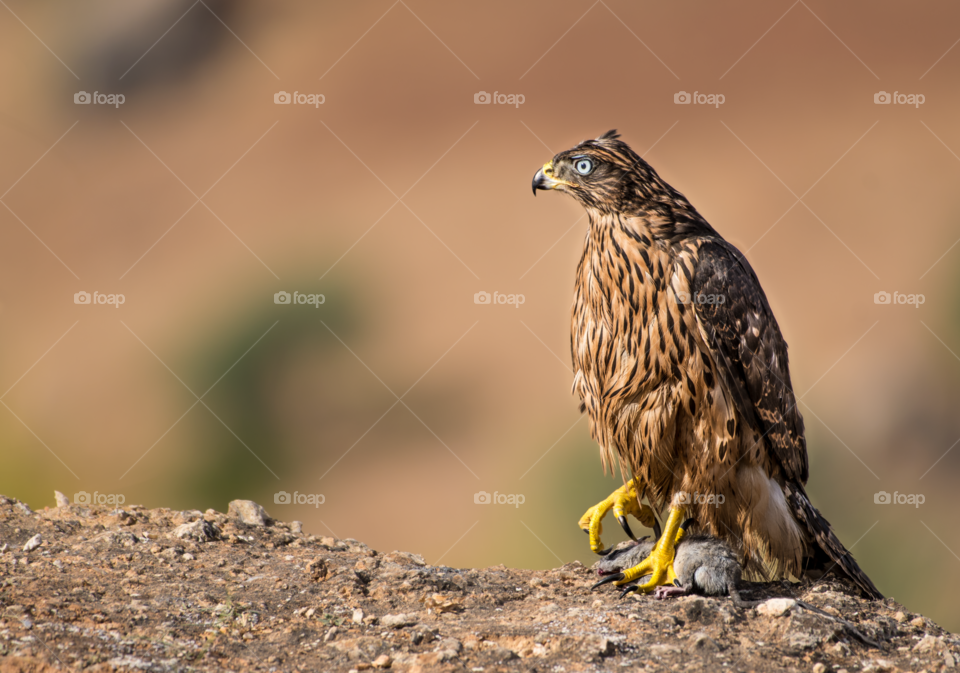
(603, 174)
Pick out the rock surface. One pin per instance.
(163, 590)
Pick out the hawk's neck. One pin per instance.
(653, 223)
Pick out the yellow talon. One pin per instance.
(623, 501)
(659, 565)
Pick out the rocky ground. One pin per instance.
(160, 590)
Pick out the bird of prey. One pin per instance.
(682, 369)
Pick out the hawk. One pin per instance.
(683, 372)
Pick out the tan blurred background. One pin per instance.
(302, 198)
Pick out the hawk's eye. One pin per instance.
(584, 166)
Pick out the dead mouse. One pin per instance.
(704, 565)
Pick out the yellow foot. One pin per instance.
(659, 565)
(623, 501)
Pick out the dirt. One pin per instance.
(162, 590)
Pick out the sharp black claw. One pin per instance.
(606, 580)
(604, 552)
(628, 590)
(626, 527)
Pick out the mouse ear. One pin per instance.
(609, 135)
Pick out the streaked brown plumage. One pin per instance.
(681, 366)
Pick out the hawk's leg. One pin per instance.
(659, 565)
(623, 501)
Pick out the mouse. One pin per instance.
(705, 565)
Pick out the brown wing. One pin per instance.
(750, 352)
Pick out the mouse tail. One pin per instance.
(843, 622)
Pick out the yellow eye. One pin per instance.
(584, 166)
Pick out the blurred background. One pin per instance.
(398, 198)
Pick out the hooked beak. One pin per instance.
(544, 179)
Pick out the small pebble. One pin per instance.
(33, 543)
(396, 621)
(776, 607)
(248, 512)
